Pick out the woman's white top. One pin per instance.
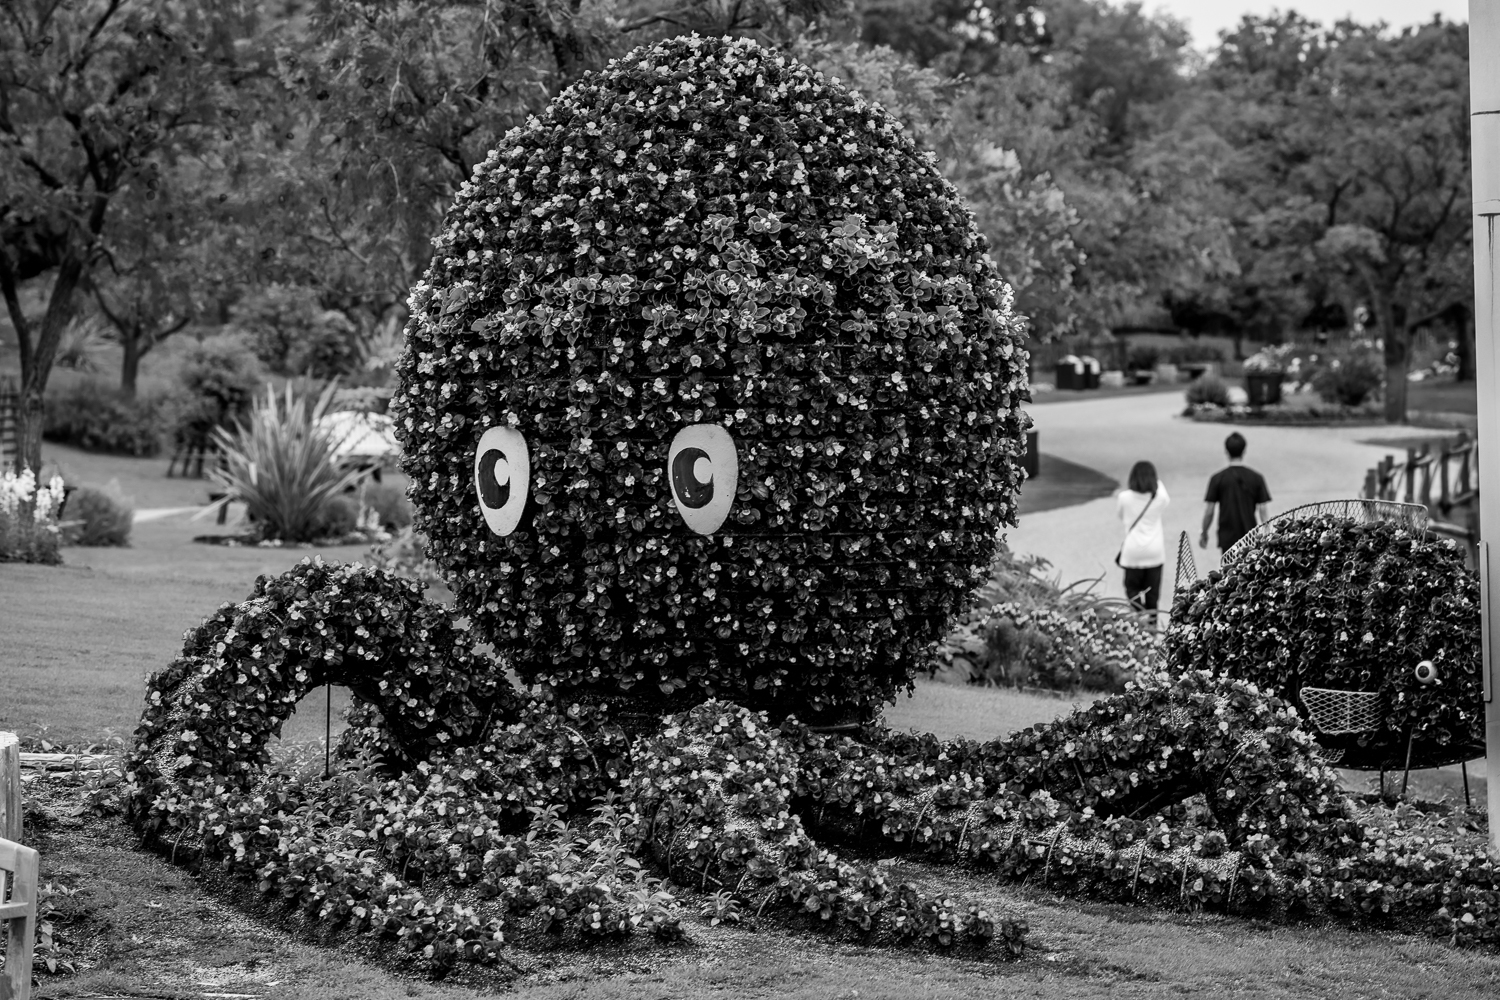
(1144, 545)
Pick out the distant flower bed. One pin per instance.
(1290, 416)
(29, 530)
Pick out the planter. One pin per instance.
(1264, 388)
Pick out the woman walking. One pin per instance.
(1144, 551)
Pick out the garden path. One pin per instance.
(1301, 465)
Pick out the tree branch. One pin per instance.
(17, 317)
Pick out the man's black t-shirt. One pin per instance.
(1236, 490)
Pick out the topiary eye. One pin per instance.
(502, 478)
(703, 468)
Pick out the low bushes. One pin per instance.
(1025, 631)
(1208, 390)
(216, 387)
(90, 414)
(406, 555)
(387, 505)
(1349, 377)
(98, 517)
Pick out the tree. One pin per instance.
(98, 101)
(1351, 170)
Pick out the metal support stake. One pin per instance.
(327, 725)
(1406, 775)
(1464, 767)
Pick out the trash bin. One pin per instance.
(1090, 372)
(1032, 460)
(1070, 373)
(1263, 388)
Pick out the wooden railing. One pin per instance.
(18, 874)
(10, 430)
(1444, 479)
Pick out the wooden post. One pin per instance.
(1484, 132)
(10, 788)
(19, 864)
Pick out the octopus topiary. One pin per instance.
(712, 390)
(710, 408)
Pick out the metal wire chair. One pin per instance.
(1413, 516)
(1187, 566)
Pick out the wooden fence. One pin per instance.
(10, 430)
(1444, 479)
(18, 875)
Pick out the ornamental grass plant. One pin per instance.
(284, 468)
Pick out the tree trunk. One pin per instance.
(36, 369)
(1397, 354)
(1465, 347)
(131, 365)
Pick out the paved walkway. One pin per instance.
(1301, 465)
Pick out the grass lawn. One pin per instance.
(1442, 396)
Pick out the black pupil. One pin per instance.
(492, 492)
(689, 491)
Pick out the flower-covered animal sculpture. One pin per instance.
(710, 407)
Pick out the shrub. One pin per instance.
(1143, 356)
(338, 517)
(216, 386)
(1186, 354)
(817, 290)
(388, 503)
(90, 414)
(406, 555)
(282, 466)
(1028, 631)
(106, 516)
(1330, 602)
(1096, 649)
(292, 334)
(28, 518)
(1208, 390)
(1349, 377)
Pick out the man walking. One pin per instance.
(1240, 495)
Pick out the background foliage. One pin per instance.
(166, 166)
